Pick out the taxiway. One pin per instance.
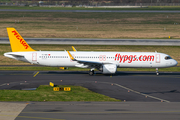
(91, 41)
(144, 95)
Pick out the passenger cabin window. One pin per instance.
(167, 58)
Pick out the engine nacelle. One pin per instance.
(109, 69)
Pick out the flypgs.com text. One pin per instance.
(130, 58)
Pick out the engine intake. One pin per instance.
(109, 69)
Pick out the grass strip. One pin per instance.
(83, 8)
(46, 93)
(30, 68)
(92, 25)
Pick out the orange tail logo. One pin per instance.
(20, 39)
(18, 44)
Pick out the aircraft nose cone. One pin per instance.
(175, 62)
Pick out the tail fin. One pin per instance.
(18, 44)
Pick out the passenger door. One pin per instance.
(34, 58)
(158, 59)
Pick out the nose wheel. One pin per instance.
(157, 72)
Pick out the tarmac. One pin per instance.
(144, 95)
(93, 41)
(100, 111)
(9, 111)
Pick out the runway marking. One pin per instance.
(118, 86)
(101, 75)
(134, 91)
(137, 92)
(39, 118)
(36, 74)
(10, 83)
(141, 93)
(3, 84)
(110, 112)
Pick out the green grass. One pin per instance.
(46, 93)
(84, 15)
(91, 25)
(32, 68)
(41, 68)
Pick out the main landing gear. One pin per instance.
(91, 72)
(157, 72)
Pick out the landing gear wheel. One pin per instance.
(91, 73)
(157, 73)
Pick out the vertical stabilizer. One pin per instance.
(18, 44)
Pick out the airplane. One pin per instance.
(106, 62)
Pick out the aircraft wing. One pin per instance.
(91, 64)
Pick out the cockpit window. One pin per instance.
(167, 58)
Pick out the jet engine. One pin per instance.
(109, 69)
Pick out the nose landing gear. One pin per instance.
(157, 72)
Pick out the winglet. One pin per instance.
(72, 58)
(18, 44)
(74, 49)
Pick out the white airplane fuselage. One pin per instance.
(106, 62)
(120, 59)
